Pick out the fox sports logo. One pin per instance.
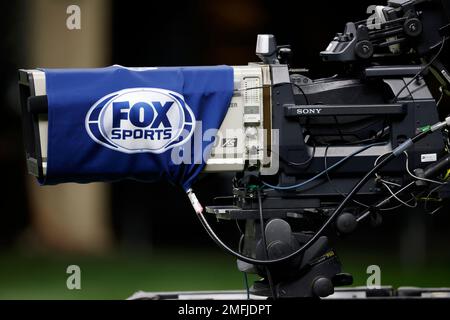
(140, 120)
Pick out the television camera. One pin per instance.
(318, 155)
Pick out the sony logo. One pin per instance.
(308, 111)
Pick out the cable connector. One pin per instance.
(194, 201)
(403, 147)
(441, 125)
(425, 128)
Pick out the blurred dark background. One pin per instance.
(127, 233)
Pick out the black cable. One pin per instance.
(383, 202)
(420, 136)
(336, 212)
(294, 85)
(246, 285)
(435, 189)
(264, 240)
(241, 241)
(317, 176)
(331, 182)
(239, 227)
(279, 84)
(338, 127)
(351, 131)
(423, 69)
(299, 164)
(326, 165)
(276, 85)
(336, 189)
(299, 88)
(365, 213)
(309, 160)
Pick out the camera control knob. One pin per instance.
(251, 132)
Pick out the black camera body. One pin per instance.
(382, 98)
(339, 150)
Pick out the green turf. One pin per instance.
(38, 276)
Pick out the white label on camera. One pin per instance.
(429, 157)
